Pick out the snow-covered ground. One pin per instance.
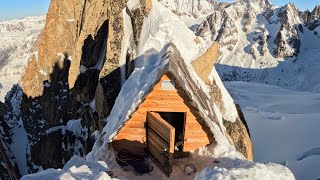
(76, 168)
(284, 125)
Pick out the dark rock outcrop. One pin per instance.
(56, 148)
(3, 170)
(287, 39)
(312, 19)
(9, 119)
(240, 134)
(77, 65)
(86, 84)
(315, 14)
(221, 27)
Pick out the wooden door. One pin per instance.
(160, 141)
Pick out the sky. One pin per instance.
(301, 4)
(11, 9)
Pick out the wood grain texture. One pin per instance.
(158, 100)
(160, 141)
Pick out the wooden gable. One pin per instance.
(163, 99)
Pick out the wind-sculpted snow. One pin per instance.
(283, 125)
(238, 169)
(311, 152)
(76, 168)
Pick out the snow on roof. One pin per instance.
(161, 28)
(140, 84)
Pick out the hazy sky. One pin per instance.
(10, 9)
(301, 4)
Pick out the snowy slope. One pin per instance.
(76, 168)
(193, 12)
(238, 169)
(17, 43)
(160, 28)
(263, 43)
(258, 43)
(284, 125)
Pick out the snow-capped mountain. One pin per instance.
(96, 62)
(263, 43)
(18, 41)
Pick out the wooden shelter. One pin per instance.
(167, 123)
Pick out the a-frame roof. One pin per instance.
(141, 82)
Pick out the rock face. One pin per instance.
(31, 80)
(223, 26)
(219, 27)
(205, 63)
(287, 40)
(238, 130)
(9, 120)
(240, 134)
(76, 76)
(255, 34)
(280, 37)
(109, 79)
(55, 107)
(3, 170)
(311, 19)
(81, 30)
(56, 148)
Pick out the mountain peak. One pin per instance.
(316, 13)
(256, 1)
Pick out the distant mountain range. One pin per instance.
(18, 41)
(258, 41)
(72, 65)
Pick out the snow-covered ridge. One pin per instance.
(161, 27)
(17, 43)
(263, 43)
(193, 11)
(15, 25)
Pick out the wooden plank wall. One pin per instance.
(133, 135)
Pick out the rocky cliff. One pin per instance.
(79, 49)
(85, 53)
(73, 81)
(264, 43)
